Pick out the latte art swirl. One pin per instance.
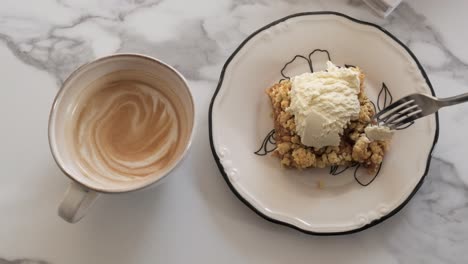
(124, 131)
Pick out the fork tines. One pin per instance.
(399, 113)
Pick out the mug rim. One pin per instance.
(93, 62)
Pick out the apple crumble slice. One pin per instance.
(354, 146)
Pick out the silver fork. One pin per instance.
(414, 106)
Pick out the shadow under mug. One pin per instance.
(83, 190)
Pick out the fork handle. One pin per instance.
(462, 98)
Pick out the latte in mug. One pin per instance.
(118, 124)
(124, 128)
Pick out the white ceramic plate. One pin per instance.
(312, 200)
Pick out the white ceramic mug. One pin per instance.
(83, 191)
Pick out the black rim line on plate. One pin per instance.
(247, 203)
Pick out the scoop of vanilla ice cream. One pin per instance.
(323, 103)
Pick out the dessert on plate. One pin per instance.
(324, 119)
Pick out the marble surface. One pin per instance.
(193, 216)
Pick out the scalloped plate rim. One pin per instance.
(271, 219)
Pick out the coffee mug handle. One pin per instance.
(78, 199)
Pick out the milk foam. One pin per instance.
(124, 130)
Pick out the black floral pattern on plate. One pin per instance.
(384, 99)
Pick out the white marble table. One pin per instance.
(193, 216)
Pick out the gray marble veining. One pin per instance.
(22, 261)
